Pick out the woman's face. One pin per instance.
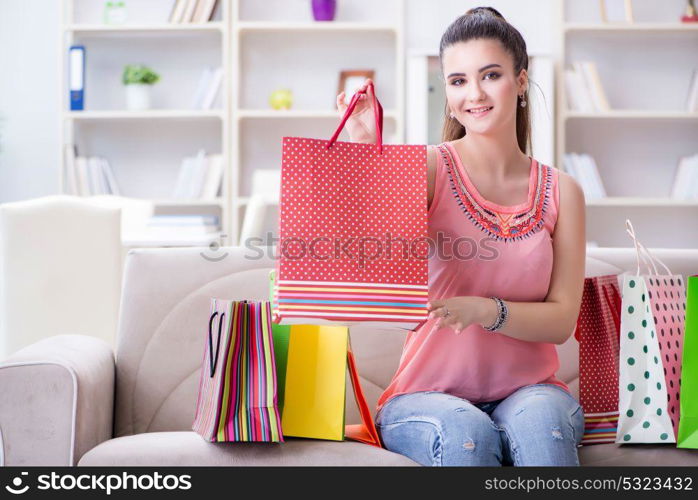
(480, 73)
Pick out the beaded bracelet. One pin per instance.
(502, 315)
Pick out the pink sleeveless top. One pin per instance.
(503, 251)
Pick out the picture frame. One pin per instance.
(616, 11)
(351, 80)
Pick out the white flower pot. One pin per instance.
(137, 96)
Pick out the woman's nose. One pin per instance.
(474, 93)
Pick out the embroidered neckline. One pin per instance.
(505, 225)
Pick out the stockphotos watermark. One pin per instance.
(365, 249)
(100, 482)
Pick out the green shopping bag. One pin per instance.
(688, 422)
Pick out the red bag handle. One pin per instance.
(614, 304)
(377, 112)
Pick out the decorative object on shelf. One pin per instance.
(351, 80)
(138, 80)
(324, 10)
(691, 16)
(281, 99)
(616, 11)
(115, 12)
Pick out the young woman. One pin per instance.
(476, 383)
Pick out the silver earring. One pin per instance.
(452, 116)
(523, 101)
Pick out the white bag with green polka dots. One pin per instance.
(648, 379)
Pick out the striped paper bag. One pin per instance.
(352, 231)
(597, 331)
(237, 388)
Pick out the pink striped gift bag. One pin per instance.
(237, 387)
(352, 231)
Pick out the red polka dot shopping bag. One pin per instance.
(651, 341)
(353, 231)
(597, 331)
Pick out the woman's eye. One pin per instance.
(492, 74)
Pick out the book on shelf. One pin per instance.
(685, 185)
(585, 171)
(86, 176)
(584, 89)
(76, 58)
(692, 97)
(199, 177)
(208, 88)
(192, 11)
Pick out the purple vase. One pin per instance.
(324, 10)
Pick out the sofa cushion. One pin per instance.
(636, 454)
(162, 449)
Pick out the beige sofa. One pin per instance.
(69, 400)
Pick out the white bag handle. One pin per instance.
(654, 259)
(646, 256)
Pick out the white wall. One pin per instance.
(29, 99)
(29, 107)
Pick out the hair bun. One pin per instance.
(487, 11)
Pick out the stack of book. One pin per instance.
(583, 88)
(686, 180)
(192, 11)
(200, 177)
(86, 176)
(182, 225)
(176, 229)
(583, 168)
(208, 88)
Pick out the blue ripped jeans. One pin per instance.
(539, 424)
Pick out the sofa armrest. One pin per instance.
(57, 400)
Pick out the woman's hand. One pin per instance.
(461, 312)
(361, 124)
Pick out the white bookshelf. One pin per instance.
(145, 148)
(279, 45)
(645, 69)
(102, 29)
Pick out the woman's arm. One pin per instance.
(553, 320)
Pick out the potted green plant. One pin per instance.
(138, 80)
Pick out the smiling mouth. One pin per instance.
(483, 110)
